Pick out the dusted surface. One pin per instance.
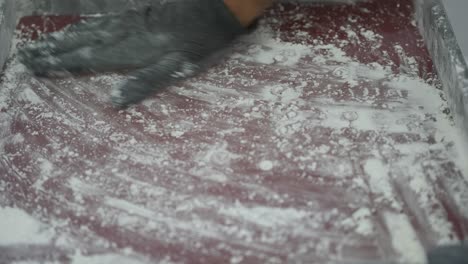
(321, 138)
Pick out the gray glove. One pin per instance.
(457, 254)
(163, 43)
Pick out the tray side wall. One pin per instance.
(437, 30)
(456, 11)
(7, 26)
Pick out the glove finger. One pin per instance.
(75, 61)
(85, 33)
(123, 55)
(144, 82)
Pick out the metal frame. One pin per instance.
(7, 26)
(446, 54)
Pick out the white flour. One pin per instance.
(404, 239)
(104, 259)
(17, 227)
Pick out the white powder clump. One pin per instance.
(370, 35)
(3, 101)
(360, 221)
(17, 227)
(266, 165)
(265, 48)
(266, 216)
(177, 133)
(404, 238)
(332, 53)
(378, 177)
(103, 259)
(379, 180)
(280, 93)
(29, 95)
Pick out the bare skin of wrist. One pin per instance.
(248, 10)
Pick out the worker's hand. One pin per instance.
(455, 254)
(162, 43)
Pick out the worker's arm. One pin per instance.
(163, 43)
(248, 10)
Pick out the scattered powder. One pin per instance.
(177, 133)
(46, 170)
(360, 221)
(266, 216)
(404, 239)
(3, 101)
(266, 165)
(30, 96)
(370, 35)
(380, 181)
(17, 227)
(330, 54)
(266, 49)
(212, 163)
(105, 259)
(18, 138)
(364, 223)
(209, 173)
(281, 93)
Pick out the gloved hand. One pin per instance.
(457, 254)
(164, 42)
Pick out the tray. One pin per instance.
(323, 137)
